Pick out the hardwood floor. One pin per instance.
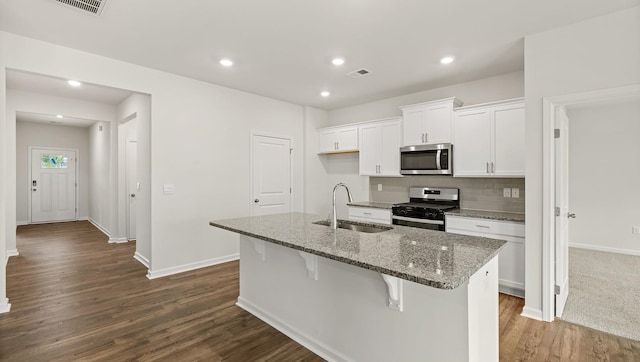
(76, 297)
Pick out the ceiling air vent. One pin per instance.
(91, 6)
(359, 73)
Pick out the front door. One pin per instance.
(562, 213)
(53, 185)
(271, 175)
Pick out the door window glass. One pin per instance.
(53, 161)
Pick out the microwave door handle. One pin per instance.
(438, 166)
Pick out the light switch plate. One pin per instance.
(506, 192)
(379, 187)
(515, 192)
(168, 189)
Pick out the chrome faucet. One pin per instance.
(334, 218)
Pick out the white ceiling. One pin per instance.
(282, 48)
(60, 88)
(51, 119)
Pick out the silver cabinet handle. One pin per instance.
(337, 145)
(487, 167)
(492, 168)
(571, 215)
(367, 213)
(426, 137)
(483, 226)
(423, 138)
(256, 201)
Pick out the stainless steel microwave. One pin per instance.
(427, 159)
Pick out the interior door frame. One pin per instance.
(549, 106)
(77, 157)
(251, 175)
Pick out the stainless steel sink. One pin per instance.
(356, 226)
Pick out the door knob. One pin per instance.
(571, 216)
(35, 189)
(256, 201)
(133, 195)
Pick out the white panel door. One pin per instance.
(437, 127)
(472, 143)
(508, 133)
(390, 139)
(562, 217)
(53, 185)
(369, 149)
(132, 186)
(271, 175)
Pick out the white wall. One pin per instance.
(99, 193)
(604, 174)
(200, 137)
(30, 134)
(316, 194)
(599, 53)
(36, 103)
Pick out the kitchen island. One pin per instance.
(403, 294)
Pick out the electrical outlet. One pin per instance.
(506, 192)
(379, 187)
(635, 230)
(515, 192)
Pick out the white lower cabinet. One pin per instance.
(511, 263)
(369, 214)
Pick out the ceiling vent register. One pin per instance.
(359, 73)
(91, 6)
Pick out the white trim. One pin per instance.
(144, 261)
(305, 340)
(119, 240)
(83, 218)
(605, 249)
(549, 105)
(153, 274)
(10, 253)
(505, 102)
(22, 223)
(5, 306)
(77, 185)
(98, 226)
(532, 313)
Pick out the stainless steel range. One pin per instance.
(426, 207)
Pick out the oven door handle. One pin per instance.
(422, 221)
(438, 154)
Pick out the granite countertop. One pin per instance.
(372, 204)
(492, 215)
(433, 258)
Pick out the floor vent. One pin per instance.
(359, 73)
(91, 6)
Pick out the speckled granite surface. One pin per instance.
(492, 215)
(433, 258)
(372, 204)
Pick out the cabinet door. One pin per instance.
(390, 139)
(347, 138)
(508, 140)
(472, 143)
(413, 131)
(328, 141)
(369, 149)
(437, 126)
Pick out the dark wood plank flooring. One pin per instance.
(76, 297)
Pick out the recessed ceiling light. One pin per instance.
(74, 83)
(226, 62)
(446, 60)
(59, 116)
(337, 61)
(325, 93)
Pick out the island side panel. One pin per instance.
(343, 316)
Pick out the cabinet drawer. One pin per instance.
(485, 226)
(370, 214)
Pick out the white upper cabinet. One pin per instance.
(429, 122)
(380, 147)
(489, 140)
(338, 139)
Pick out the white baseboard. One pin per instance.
(83, 218)
(604, 248)
(22, 223)
(306, 341)
(153, 274)
(9, 253)
(5, 306)
(98, 226)
(144, 261)
(118, 240)
(532, 313)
